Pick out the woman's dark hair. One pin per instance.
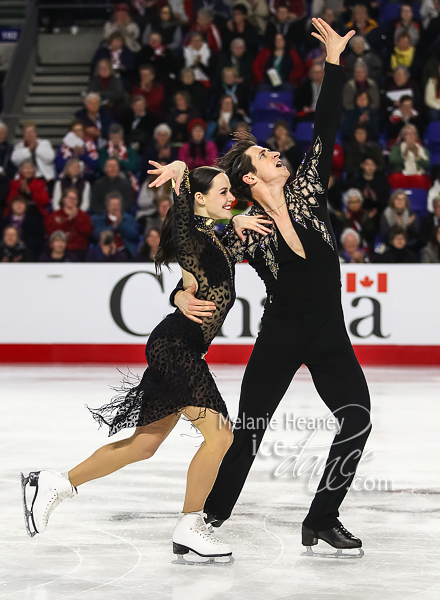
(235, 163)
(200, 180)
(145, 248)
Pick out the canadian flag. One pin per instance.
(380, 283)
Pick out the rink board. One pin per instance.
(71, 313)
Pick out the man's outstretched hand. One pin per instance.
(334, 43)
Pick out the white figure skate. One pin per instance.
(192, 534)
(51, 489)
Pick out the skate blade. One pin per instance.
(215, 561)
(30, 528)
(338, 554)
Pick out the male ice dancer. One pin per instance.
(303, 321)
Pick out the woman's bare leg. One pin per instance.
(204, 466)
(112, 457)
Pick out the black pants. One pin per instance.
(317, 338)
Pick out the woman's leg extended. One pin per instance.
(112, 457)
(203, 469)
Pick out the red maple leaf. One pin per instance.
(366, 281)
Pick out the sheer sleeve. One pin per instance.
(326, 124)
(187, 243)
(234, 246)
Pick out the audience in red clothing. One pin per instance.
(205, 25)
(32, 188)
(152, 91)
(198, 152)
(278, 67)
(75, 223)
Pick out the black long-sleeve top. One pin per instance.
(293, 282)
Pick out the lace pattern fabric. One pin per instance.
(177, 375)
(300, 199)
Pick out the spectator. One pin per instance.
(372, 184)
(281, 23)
(403, 51)
(156, 54)
(148, 249)
(106, 251)
(225, 121)
(365, 26)
(160, 150)
(429, 11)
(435, 189)
(29, 224)
(121, 224)
(359, 148)
(361, 114)
(120, 57)
(96, 118)
(432, 97)
(152, 91)
(241, 127)
(360, 83)
(117, 149)
(33, 189)
(402, 85)
(142, 124)
(350, 251)
(180, 115)
(398, 214)
(71, 178)
(34, 149)
(278, 67)
(406, 24)
(168, 27)
(111, 182)
(258, 12)
(238, 58)
(195, 90)
(429, 222)
(282, 141)
(57, 251)
(357, 218)
(230, 86)
(239, 27)
(7, 167)
(12, 249)
(431, 252)
(106, 84)
(76, 146)
(398, 251)
(122, 23)
(198, 152)
(307, 94)
(75, 223)
(163, 204)
(148, 200)
(197, 57)
(404, 115)
(205, 25)
(409, 160)
(297, 8)
(360, 51)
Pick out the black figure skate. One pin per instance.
(338, 538)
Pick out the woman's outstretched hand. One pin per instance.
(334, 43)
(242, 222)
(174, 170)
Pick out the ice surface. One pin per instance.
(114, 540)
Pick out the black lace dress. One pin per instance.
(177, 375)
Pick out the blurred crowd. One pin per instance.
(175, 79)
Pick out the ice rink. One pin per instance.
(113, 541)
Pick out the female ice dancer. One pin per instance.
(177, 381)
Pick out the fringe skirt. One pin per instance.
(177, 376)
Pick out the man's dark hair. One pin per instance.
(241, 8)
(235, 163)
